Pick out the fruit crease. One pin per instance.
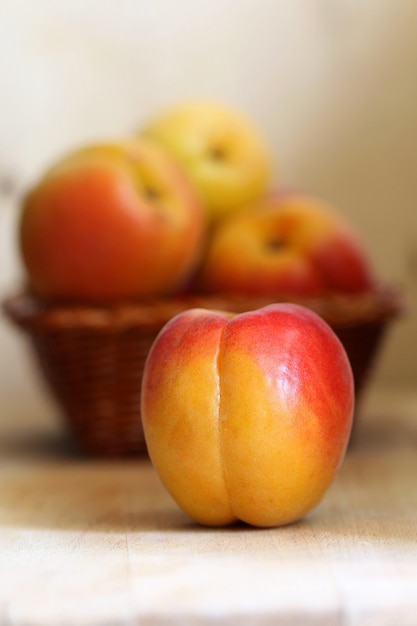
(220, 419)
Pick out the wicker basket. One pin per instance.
(93, 357)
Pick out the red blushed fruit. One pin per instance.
(286, 243)
(111, 221)
(247, 417)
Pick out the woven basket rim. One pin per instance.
(37, 315)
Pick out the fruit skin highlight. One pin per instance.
(111, 221)
(247, 417)
(286, 243)
(222, 152)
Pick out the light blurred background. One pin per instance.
(332, 85)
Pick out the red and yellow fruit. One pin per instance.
(247, 417)
(111, 221)
(286, 243)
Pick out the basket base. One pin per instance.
(92, 358)
(96, 382)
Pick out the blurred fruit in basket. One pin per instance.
(117, 220)
(223, 154)
(247, 417)
(286, 243)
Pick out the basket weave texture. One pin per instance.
(92, 358)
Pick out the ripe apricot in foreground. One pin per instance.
(247, 417)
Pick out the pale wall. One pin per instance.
(331, 83)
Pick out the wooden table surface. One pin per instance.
(85, 542)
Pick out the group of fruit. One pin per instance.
(246, 416)
(184, 204)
